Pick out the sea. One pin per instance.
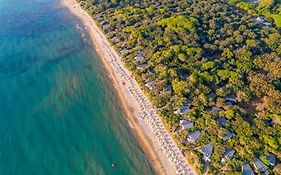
(59, 112)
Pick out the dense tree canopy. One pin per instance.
(222, 56)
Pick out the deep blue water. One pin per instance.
(59, 114)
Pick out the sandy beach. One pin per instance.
(158, 145)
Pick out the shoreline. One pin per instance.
(125, 86)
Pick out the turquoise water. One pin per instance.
(58, 111)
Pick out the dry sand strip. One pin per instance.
(157, 143)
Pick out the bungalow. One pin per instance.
(186, 124)
(269, 122)
(215, 109)
(222, 121)
(183, 74)
(183, 109)
(105, 25)
(231, 99)
(267, 24)
(99, 18)
(212, 95)
(207, 151)
(140, 52)
(139, 59)
(247, 170)
(228, 135)
(151, 73)
(228, 154)
(228, 103)
(169, 88)
(187, 102)
(259, 19)
(193, 136)
(256, 2)
(261, 167)
(142, 67)
(271, 158)
(150, 84)
(120, 44)
(114, 39)
(102, 22)
(124, 51)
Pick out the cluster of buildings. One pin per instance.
(229, 153)
(261, 21)
(260, 167)
(207, 150)
(193, 136)
(142, 65)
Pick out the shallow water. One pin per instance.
(59, 113)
